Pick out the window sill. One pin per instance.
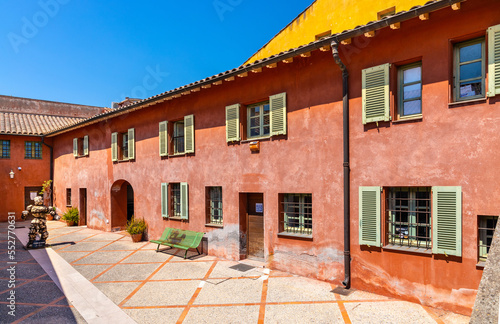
(248, 140)
(176, 155)
(308, 237)
(214, 225)
(408, 249)
(481, 264)
(465, 102)
(175, 218)
(408, 119)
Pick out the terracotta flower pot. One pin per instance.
(136, 237)
(70, 223)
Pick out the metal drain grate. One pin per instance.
(242, 267)
(342, 291)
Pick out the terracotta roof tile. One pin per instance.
(33, 124)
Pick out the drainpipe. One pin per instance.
(347, 203)
(51, 170)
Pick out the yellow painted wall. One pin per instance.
(325, 15)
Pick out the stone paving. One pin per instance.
(162, 287)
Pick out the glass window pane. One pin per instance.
(471, 70)
(412, 107)
(471, 52)
(266, 130)
(266, 120)
(412, 91)
(412, 75)
(266, 108)
(255, 132)
(472, 88)
(254, 111)
(254, 122)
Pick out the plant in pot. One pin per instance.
(71, 216)
(136, 227)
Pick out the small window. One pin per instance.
(409, 217)
(123, 145)
(175, 200)
(486, 229)
(410, 91)
(258, 120)
(4, 149)
(178, 137)
(296, 214)
(68, 197)
(214, 205)
(81, 146)
(469, 70)
(33, 150)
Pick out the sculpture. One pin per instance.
(38, 224)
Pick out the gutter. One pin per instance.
(322, 43)
(51, 170)
(347, 180)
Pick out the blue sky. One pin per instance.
(96, 52)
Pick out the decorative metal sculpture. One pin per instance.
(38, 224)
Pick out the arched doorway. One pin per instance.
(122, 204)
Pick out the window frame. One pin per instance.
(482, 234)
(68, 197)
(5, 147)
(262, 115)
(211, 206)
(456, 68)
(33, 152)
(174, 137)
(301, 230)
(400, 91)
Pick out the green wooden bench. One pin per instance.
(181, 239)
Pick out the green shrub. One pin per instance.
(136, 226)
(71, 215)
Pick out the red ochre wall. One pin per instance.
(450, 146)
(33, 173)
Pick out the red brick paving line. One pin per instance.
(37, 305)
(38, 310)
(86, 255)
(343, 310)
(106, 270)
(263, 299)
(20, 262)
(190, 279)
(75, 231)
(433, 315)
(195, 295)
(24, 283)
(145, 281)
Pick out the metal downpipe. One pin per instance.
(347, 182)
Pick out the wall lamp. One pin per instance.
(11, 173)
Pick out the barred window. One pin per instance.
(33, 150)
(409, 216)
(486, 229)
(175, 191)
(68, 197)
(4, 149)
(296, 214)
(214, 205)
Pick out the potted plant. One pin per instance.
(136, 227)
(71, 216)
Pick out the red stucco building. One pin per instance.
(256, 157)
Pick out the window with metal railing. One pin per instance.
(4, 149)
(175, 191)
(296, 215)
(214, 205)
(409, 216)
(486, 229)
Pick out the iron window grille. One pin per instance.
(297, 213)
(5, 150)
(258, 120)
(409, 217)
(178, 137)
(175, 191)
(215, 205)
(486, 229)
(33, 150)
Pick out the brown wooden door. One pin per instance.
(83, 206)
(255, 209)
(29, 194)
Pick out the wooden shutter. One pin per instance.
(114, 147)
(375, 93)
(86, 145)
(75, 147)
(163, 137)
(189, 134)
(447, 220)
(278, 114)
(131, 143)
(493, 60)
(164, 200)
(184, 200)
(369, 216)
(233, 123)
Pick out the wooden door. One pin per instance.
(29, 194)
(255, 209)
(83, 206)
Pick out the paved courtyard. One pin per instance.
(117, 280)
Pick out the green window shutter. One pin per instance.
(278, 114)
(447, 220)
(493, 60)
(114, 147)
(164, 200)
(375, 93)
(131, 143)
(189, 134)
(233, 123)
(163, 136)
(75, 147)
(369, 216)
(86, 145)
(184, 200)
